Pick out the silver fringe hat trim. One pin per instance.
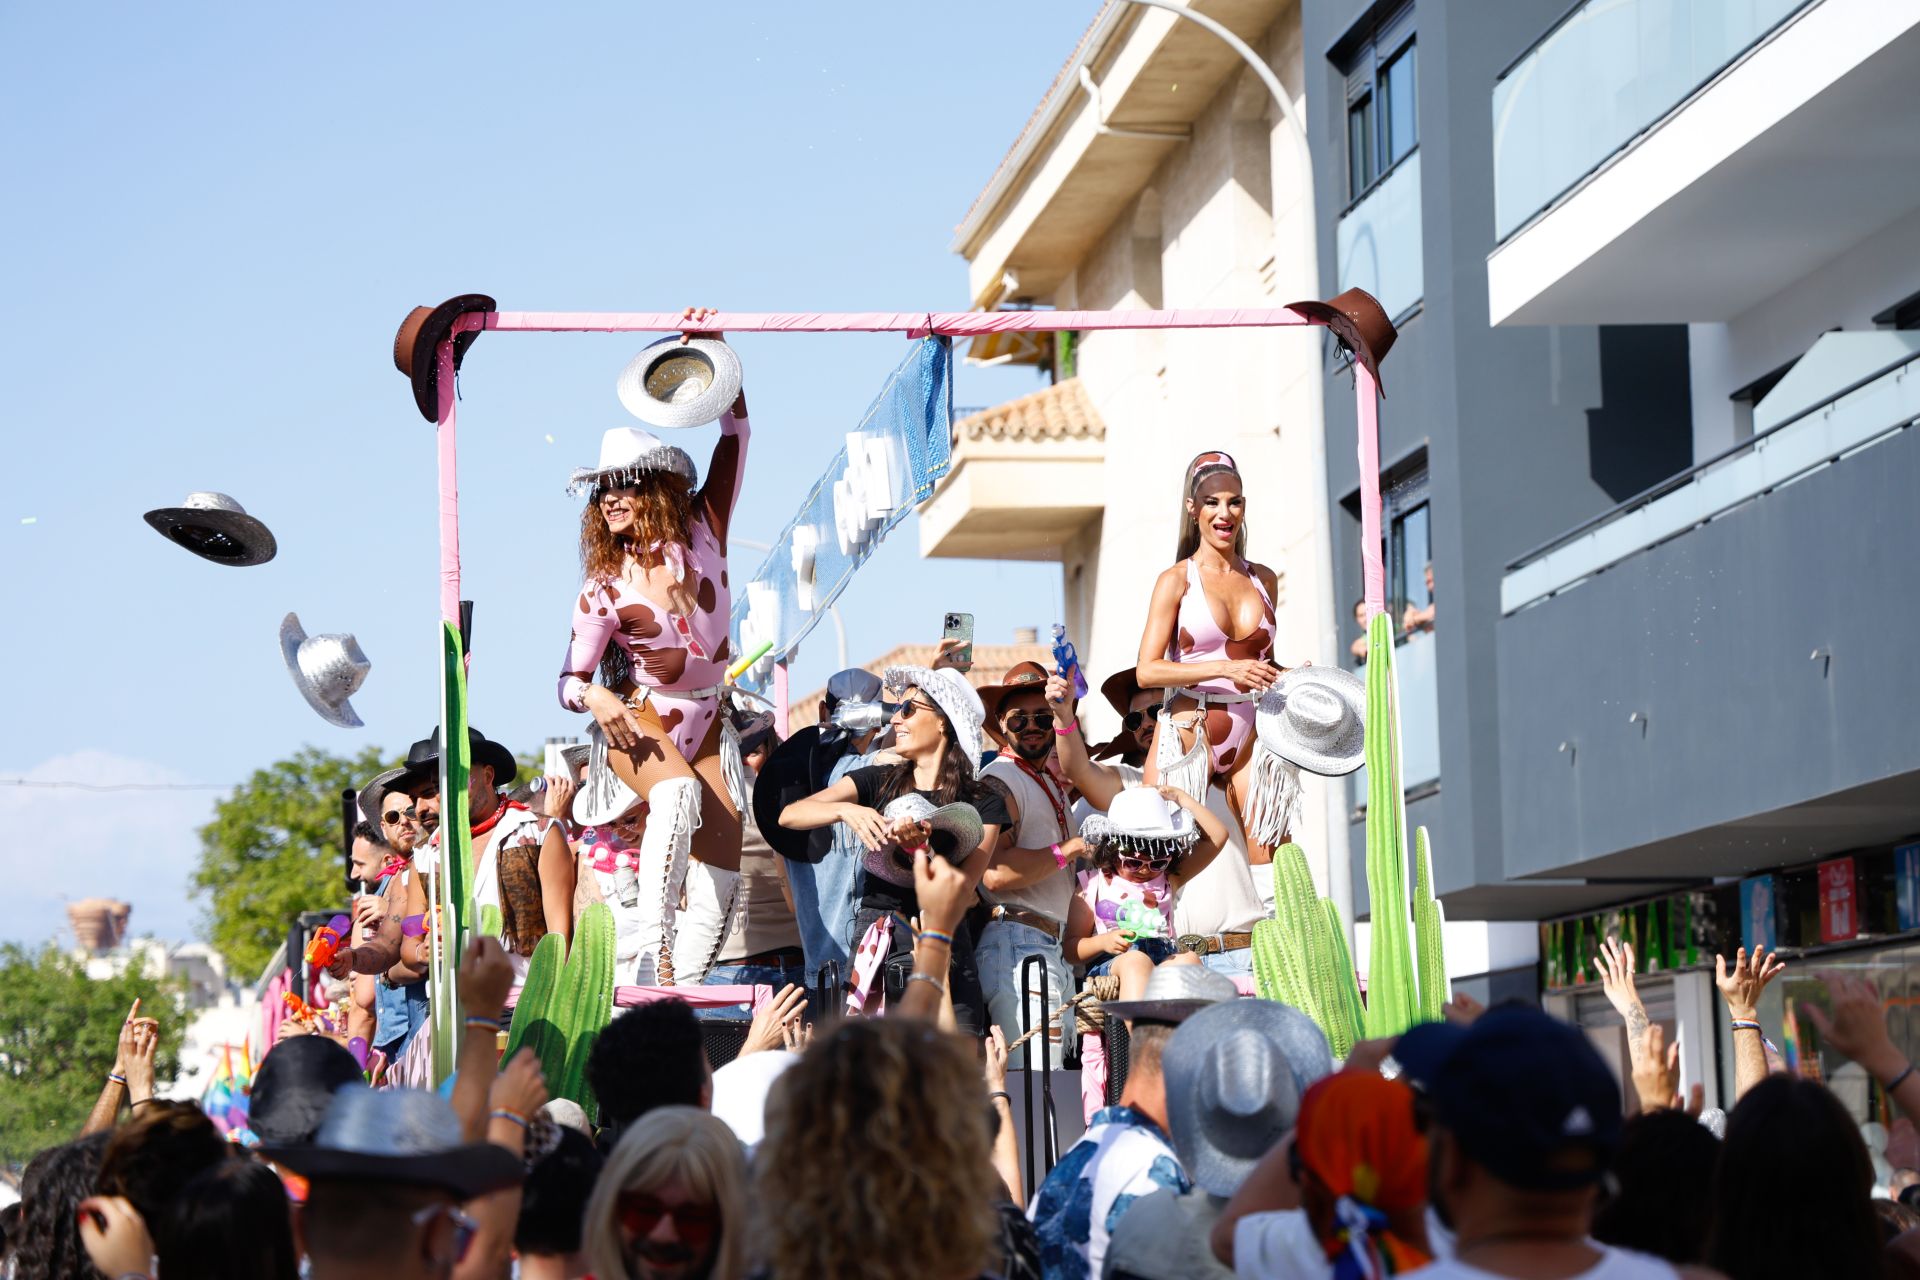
(587, 479)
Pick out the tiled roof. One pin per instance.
(1059, 412)
(991, 662)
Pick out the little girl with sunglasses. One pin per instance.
(1150, 841)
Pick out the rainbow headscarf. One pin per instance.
(1356, 1136)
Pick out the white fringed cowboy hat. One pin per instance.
(1315, 719)
(215, 527)
(1143, 818)
(327, 670)
(626, 454)
(680, 382)
(956, 699)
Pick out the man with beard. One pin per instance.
(1030, 881)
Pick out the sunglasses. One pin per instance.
(1134, 719)
(681, 625)
(1018, 721)
(906, 710)
(1152, 862)
(464, 1227)
(641, 1214)
(393, 817)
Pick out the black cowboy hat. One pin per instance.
(423, 760)
(295, 1085)
(795, 770)
(405, 1136)
(420, 335)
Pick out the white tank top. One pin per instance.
(1614, 1264)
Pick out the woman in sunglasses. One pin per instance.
(936, 734)
(1209, 644)
(648, 660)
(671, 1202)
(1150, 841)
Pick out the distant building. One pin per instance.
(991, 662)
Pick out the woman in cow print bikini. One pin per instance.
(651, 621)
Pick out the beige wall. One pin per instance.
(1203, 235)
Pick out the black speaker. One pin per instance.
(723, 1039)
(1117, 1046)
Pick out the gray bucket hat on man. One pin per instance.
(1235, 1074)
(1175, 993)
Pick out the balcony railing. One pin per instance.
(1604, 75)
(1379, 240)
(1417, 676)
(1850, 391)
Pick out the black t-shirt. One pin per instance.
(867, 784)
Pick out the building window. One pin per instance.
(1750, 395)
(1409, 553)
(1382, 120)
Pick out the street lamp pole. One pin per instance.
(1333, 834)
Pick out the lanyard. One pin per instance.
(1047, 789)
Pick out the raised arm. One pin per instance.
(726, 470)
(1095, 781)
(557, 881)
(1741, 987)
(1213, 835)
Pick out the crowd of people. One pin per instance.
(923, 879)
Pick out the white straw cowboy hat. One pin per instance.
(1175, 993)
(680, 382)
(1235, 1074)
(956, 699)
(956, 831)
(626, 454)
(327, 669)
(215, 527)
(1315, 719)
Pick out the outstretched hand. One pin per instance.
(774, 1022)
(1656, 1076)
(945, 659)
(1746, 979)
(1857, 1027)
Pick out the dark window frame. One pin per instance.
(1386, 42)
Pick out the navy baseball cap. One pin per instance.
(1524, 1094)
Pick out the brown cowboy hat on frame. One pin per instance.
(420, 336)
(1358, 321)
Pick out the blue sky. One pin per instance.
(217, 216)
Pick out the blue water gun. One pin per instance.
(1066, 662)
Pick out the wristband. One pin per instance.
(934, 935)
(1000, 1095)
(491, 1024)
(930, 980)
(1059, 859)
(115, 1077)
(1898, 1080)
(1059, 732)
(1745, 1024)
(501, 1113)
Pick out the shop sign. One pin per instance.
(1757, 931)
(1906, 884)
(1839, 913)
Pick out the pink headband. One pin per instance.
(1205, 464)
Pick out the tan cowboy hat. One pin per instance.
(1022, 677)
(1358, 321)
(419, 338)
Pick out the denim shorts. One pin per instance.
(1158, 950)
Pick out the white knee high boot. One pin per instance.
(703, 925)
(673, 813)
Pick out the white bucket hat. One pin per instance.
(1235, 1074)
(955, 698)
(1142, 817)
(326, 669)
(680, 383)
(1315, 719)
(215, 527)
(626, 454)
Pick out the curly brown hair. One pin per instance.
(662, 512)
(877, 1158)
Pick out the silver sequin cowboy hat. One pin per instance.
(326, 669)
(627, 454)
(955, 832)
(680, 382)
(215, 527)
(1315, 718)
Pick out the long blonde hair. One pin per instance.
(1213, 462)
(877, 1159)
(662, 512)
(671, 1144)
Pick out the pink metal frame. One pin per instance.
(914, 324)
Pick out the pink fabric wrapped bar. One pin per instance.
(915, 324)
(698, 997)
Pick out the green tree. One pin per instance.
(59, 1031)
(273, 850)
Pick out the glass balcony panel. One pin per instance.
(1379, 241)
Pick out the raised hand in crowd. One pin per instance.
(945, 659)
(1857, 1030)
(485, 981)
(774, 1022)
(142, 1038)
(1656, 1076)
(1740, 985)
(1006, 1143)
(516, 1097)
(944, 894)
(1615, 965)
(106, 1109)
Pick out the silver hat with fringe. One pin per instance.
(955, 831)
(680, 382)
(1315, 718)
(1143, 819)
(626, 455)
(956, 699)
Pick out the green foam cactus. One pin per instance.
(1300, 957)
(1347, 1014)
(1429, 928)
(1393, 997)
(564, 1005)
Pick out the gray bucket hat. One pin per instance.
(1235, 1074)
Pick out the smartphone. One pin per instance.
(959, 626)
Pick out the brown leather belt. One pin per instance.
(1031, 919)
(778, 958)
(1212, 944)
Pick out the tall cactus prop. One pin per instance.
(1300, 957)
(1393, 999)
(1350, 1014)
(1429, 926)
(565, 1003)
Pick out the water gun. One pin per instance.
(299, 1011)
(326, 940)
(1135, 919)
(1066, 662)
